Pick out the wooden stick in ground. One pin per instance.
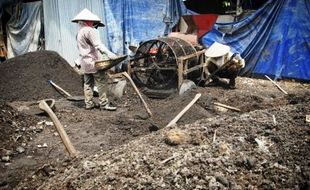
(281, 89)
(140, 96)
(226, 106)
(170, 158)
(214, 136)
(176, 119)
(61, 131)
(59, 88)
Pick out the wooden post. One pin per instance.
(129, 67)
(180, 73)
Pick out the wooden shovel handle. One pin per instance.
(61, 131)
(174, 120)
(59, 88)
(140, 96)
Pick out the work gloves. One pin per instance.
(239, 62)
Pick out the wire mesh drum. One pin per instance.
(156, 62)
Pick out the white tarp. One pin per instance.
(24, 29)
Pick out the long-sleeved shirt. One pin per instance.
(90, 49)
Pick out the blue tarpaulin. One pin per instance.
(275, 40)
(130, 22)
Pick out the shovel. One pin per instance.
(31, 108)
(44, 105)
(67, 95)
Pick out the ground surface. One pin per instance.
(265, 146)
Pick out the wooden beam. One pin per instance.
(180, 74)
(186, 71)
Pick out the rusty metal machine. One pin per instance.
(164, 63)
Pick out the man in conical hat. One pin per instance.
(91, 49)
(222, 63)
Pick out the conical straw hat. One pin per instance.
(217, 50)
(86, 15)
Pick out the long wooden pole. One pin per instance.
(140, 96)
(174, 120)
(61, 131)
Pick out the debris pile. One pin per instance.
(262, 149)
(16, 131)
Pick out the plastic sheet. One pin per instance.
(134, 21)
(24, 29)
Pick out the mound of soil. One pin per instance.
(26, 77)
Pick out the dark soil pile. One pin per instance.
(26, 77)
(261, 149)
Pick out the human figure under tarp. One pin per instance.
(222, 63)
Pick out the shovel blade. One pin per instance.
(187, 85)
(75, 98)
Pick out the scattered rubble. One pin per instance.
(227, 163)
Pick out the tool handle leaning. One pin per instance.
(59, 88)
(140, 96)
(174, 120)
(63, 135)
